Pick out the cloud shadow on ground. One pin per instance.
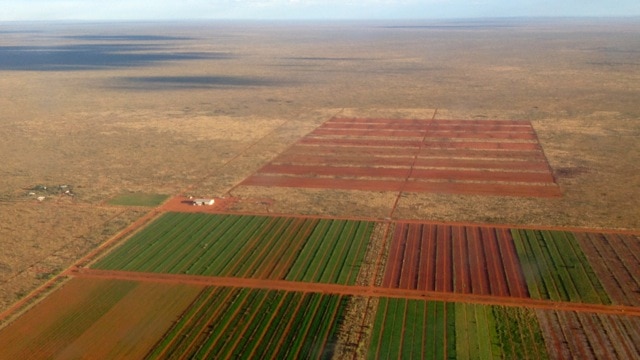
(92, 56)
(155, 83)
(127, 38)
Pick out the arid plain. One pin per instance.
(195, 108)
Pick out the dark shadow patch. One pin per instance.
(315, 58)
(194, 82)
(127, 38)
(571, 172)
(91, 56)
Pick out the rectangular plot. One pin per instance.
(369, 151)
(557, 266)
(93, 318)
(245, 246)
(615, 264)
(575, 335)
(412, 329)
(461, 259)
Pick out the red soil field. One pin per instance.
(493, 157)
(461, 259)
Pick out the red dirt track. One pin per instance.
(492, 157)
(352, 290)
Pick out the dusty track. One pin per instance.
(352, 290)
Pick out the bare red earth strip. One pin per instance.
(430, 134)
(352, 290)
(430, 233)
(368, 160)
(431, 122)
(495, 266)
(481, 145)
(524, 128)
(393, 267)
(359, 142)
(372, 133)
(515, 277)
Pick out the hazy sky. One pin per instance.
(306, 9)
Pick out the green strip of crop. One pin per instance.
(138, 242)
(412, 343)
(484, 326)
(296, 338)
(258, 324)
(320, 327)
(242, 326)
(191, 246)
(220, 325)
(268, 238)
(173, 251)
(157, 249)
(308, 303)
(212, 245)
(244, 239)
(355, 255)
(377, 333)
(450, 328)
(305, 257)
(336, 251)
(518, 333)
(190, 337)
(555, 267)
(585, 279)
(275, 330)
(431, 330)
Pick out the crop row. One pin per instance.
(438, 330)
(555, 268)
(246, 246)
(243, 323)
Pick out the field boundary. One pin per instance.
(354, 290)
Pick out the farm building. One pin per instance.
(200, 202)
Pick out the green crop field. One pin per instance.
(138, 199)
(296, 249)
(245, 324)
(555, 268)
(438, 330)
